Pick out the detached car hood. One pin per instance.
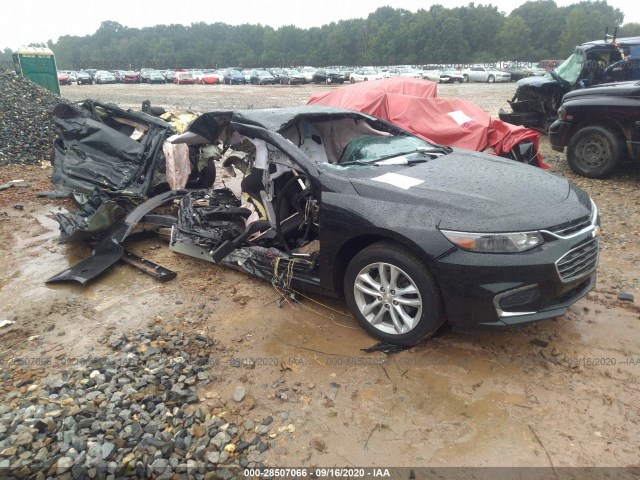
(477, 193)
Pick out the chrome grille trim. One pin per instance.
(579, 261)
(575, 227)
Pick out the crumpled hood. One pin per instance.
(536, 81)
(479, 193)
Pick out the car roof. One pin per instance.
(210, 124)
(621, 41)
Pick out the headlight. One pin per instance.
(495, 242)
(563, 115)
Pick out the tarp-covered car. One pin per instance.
(412, 104)
(411, 233)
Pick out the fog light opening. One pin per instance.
(519, 301)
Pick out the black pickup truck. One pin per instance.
(600, 126)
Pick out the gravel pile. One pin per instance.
(27, 131)
(132, 414)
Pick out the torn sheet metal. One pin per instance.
(110, 156)
(109, 251)
(95, 148)
(208, 218)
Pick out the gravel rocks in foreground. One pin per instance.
(27, 131)
(132, 414)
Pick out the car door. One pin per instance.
(478, 74)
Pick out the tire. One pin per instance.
(352, 80)
(328, 80)
(595, 152)
(399, 323)
(366, 79)
(465, 78)
(491, 79)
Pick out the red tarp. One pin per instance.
(412, 105)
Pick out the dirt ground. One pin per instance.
(561, 392)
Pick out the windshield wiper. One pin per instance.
(435, 151)
(357, 162)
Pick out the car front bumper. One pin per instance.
(481, 289)
(559, 133)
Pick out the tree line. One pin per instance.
(389, 36)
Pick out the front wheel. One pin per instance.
(392, 295)
(465, 78)
(595, 152)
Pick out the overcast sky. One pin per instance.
(40, 20)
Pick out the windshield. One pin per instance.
(570, 69)
(371, 149)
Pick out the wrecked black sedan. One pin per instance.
(537, 99)
(412, 234)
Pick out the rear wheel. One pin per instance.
(465, 78)
(392, 295)
(595, 152)
(491, 79)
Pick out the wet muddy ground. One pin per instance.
(561, 392)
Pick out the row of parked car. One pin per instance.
(295, 76)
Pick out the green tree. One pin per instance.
(546, 22)
(588, 21)
(514, 39)
(629, 30)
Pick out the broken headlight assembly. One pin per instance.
(494, 242)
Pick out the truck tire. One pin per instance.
(595, 151)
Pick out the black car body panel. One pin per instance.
(95, 158)
(537, 99)
(93, 150)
